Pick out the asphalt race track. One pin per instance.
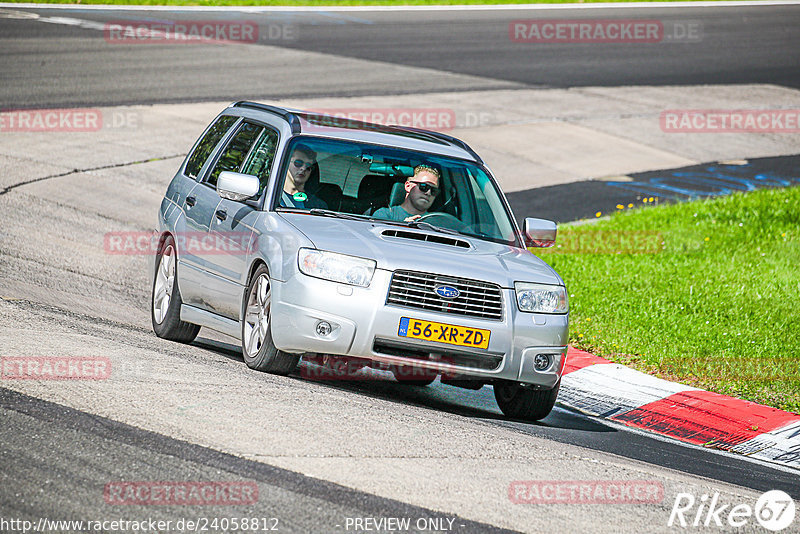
(735, 45)
(326, 456)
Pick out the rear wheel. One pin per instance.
(258, 349)
(520, 402)
(165, 306)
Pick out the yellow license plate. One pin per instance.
(444, 333)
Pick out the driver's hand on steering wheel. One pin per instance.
(412, 218)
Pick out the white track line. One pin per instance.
(502, 7)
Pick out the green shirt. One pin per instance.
(311, 202)
(395, 213)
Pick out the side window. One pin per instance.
(233, 155)
(260, 159)
(207, 144)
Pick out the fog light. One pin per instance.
(324, 328)
(541, 362)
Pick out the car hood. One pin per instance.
(458, 255)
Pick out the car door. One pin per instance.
(231, 230)
(198, 206)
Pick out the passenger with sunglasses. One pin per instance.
(301, 164)
(421, 190)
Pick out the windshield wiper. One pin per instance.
(428, 226)
(338, 214)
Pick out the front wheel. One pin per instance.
(165, 306)
(258, 349)
(520, 402)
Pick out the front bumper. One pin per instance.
(365, 326)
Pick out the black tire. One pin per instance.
(165, 304)
(526, 403)
(258, 350)
(413, 376)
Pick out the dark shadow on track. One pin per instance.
(562, 425)
(228, 350)
(382, 385)
(379, 384)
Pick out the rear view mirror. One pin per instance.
(393, 169)
(237, 186)
(540, 233)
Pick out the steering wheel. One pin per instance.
(443, 219)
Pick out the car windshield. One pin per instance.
(344, 178)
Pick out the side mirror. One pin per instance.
(237, 186)
(540, 233)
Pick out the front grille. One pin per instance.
(416, 290)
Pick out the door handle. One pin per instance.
(222, 215)
(190, 201)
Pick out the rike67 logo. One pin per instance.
(774, 510)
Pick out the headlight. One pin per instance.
(541, 298)
(336, 267)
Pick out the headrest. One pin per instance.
(398, 194)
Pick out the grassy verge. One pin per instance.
(705, 292)
(181, 3)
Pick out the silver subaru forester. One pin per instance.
(315, 236)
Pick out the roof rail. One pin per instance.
(294, 121)
(290, 117)
(444, 137)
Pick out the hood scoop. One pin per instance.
(430, 238)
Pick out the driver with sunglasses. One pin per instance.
(300, 165)
(421, 190)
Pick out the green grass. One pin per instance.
(182, 3)
(714, 301)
